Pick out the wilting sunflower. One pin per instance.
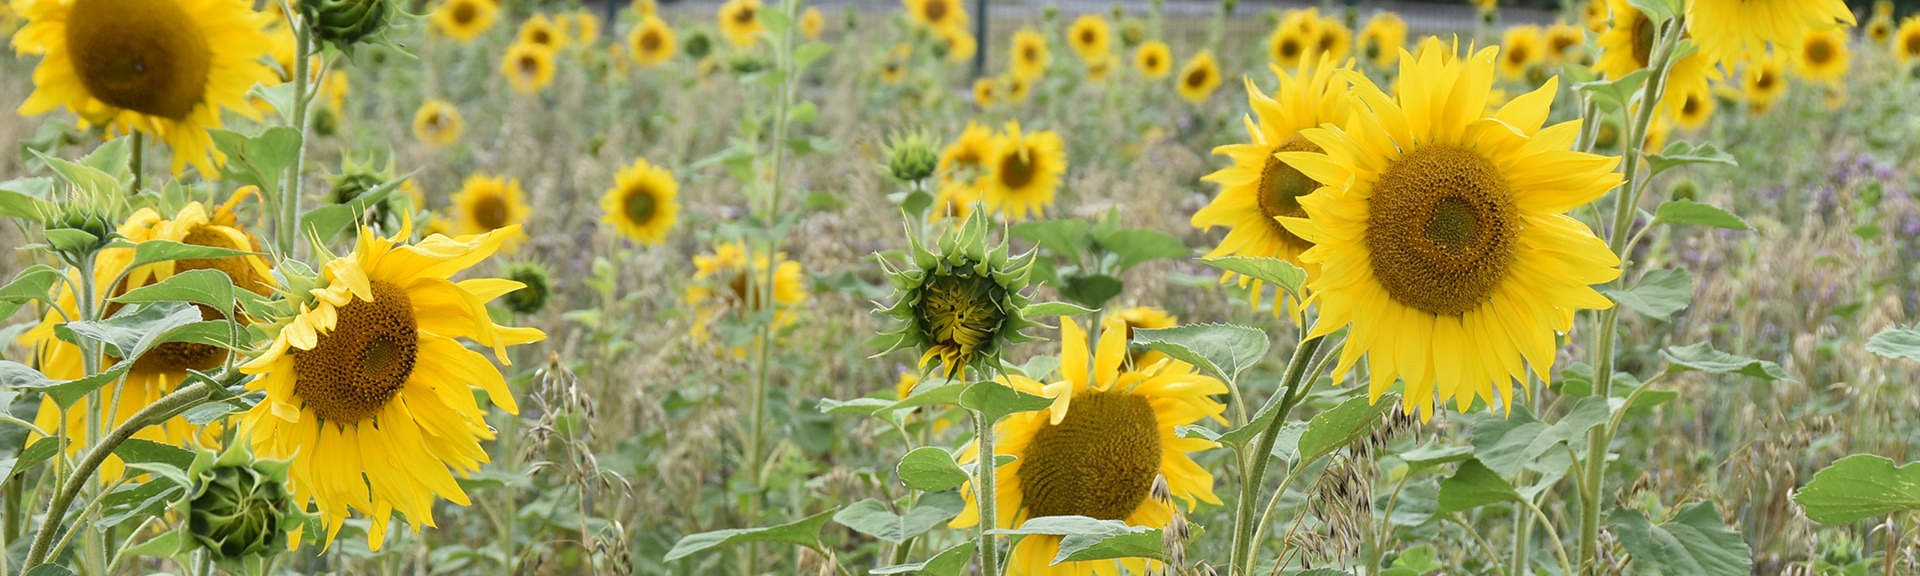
(464, 20)
(1090, 37)
(1730, 30)
(1627, 47)
(163, 68)
(1442, 235)
(1520, 48)
(985, 92)
(1565, 43)
(369, 393)
(1145, 318)
(1029, 54)
(438, 123)
(1199, 77)
(542, 32)
(641, 204)
(1823, 55)
(1100, 451)
(1382, 39)
(727, 282)
(1694, 109)
(528, 67)
(812, 23)
(1764, 81)
(1024, 171)
(958, 305)
(1153, 59)
(1906, 42)
(652, 42)
(1258, 188)
(937, 15)
(740, 22)
(164, 368)
(487, 203)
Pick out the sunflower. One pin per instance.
(954, 200)
(368, 392)
(1016, 88)
(727, 281)
(464, 20)
(1382, 40)
(542, 32)
(488, 203)
(965, 160)
(438, 123)
(1288, 46)
(164, 368)
(1823, 55)
(1834, 95)
(1029, 54)
(1258, 188)
(529, 67)
(1097, 70)
(1486, 5)
(1879, 29)
(646, 8)
(812, 23)
(960, 44)
(652, 42)
(893, 68)
(1520, 48)
(1442, 235)
(740, 22)
(641, 205)
(1100, 451)
(1594, 15)
(937, 15)
(1906, 41)
(1334, 40)
(585, 27)
(1090, 37)
(1764, 81)
(163, 68)
(1694, 109)
(984, 92)
(1565, 43)
(1729, 30)
(1145, 318)
(1199, 77)
(1627, 47)
(1153, 59)
(1024, 171)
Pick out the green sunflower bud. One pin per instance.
(698, 44)
(345, 23)
(745, 63)
(239, 508)
(82, 224)
(912, 156)
(1227, 7)
(1132, 32)
(358, 180)
(325, 121)
(959, 305)
(1685, 189)
(532, 298)
(852, 18)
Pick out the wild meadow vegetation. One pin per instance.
(761, 287)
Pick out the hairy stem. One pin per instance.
(1290, 396)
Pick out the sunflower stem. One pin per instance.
(159, 411)
(1291, 393)
(783, 93)
(139, 159)
(287, 231)
(989, 517)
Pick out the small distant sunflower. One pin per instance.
(1730, 30)
(487, 203)
(1153, 59)
(1520, 48)
(936, 15)
(1097, 70)
(1288, 47)
(1906, 41)
(954, 201)
(1015, 88)
(1823, 55)
(1258, 189)
(1110, 438)
(164, 68)
(369, 393)
(1564, 43)
(1199, 77)
(1090, 37)
(1145, 318)
(1879, 30)
(1335, 41)
(585, 28)
(543, 32)
(652, 42)
(528, 67)
(1764, 81)
(727, 282)
(1443, 237)
(740, 22)
(1024, 172)
(438, 123)
(646, 8)
(1694, 110)
(1382, 39)
(641, 204)
(464, 20)
(1834, 95)
(1594, 15)
(985, 92)
(1029, 54)
(1627, 47)
(893, 68)
(965, 160)
(960, 45)
(812, 23)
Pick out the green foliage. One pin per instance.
(1658, 294)
(804, 532)
(1693, 542)
(1858, 487)
(1226, 350)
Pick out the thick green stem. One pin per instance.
(159, 411)
(139, 160)
(989, 516)
(287, 233)
(783, 60)
(1290, 395)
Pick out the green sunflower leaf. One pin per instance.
(1658, 11)
(805, 532)
(1902, 343)
(926, 395)
(48, 569)
(40, 451)
(1433, 454)
(92, 180)
(1340, 427)
(1688, 212)
(1694, 542)
(1092, 290)
(930, 469)
(206, 286)
(1226, 350)
(1270, 270)
(23, 198)
(1658, 294)
(1135, 246)
(34, 283)
(1052, 309)
(995, 400)
(950, 562)
(259, 160)
(875, 518)
(861, 406)
(1613, 95)
(157, 251)
(1683, 153)
(1472, 486)
(1858, 487)
(1083, 538)
(1704, 358)
(1067, 238)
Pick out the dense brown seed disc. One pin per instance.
(1913, 44)
(1819, 51)
(141, 55)
(1643, 36)
(528, 65)
(1030, 54)
(1153, 61)
(640, 204)
(1560, 43)
(464, 13)
(1517, 54)
(1372, 50)
(1765, 82)
(936, 11)
(1086, 37)
(1289, 48)
(1442, 229)
(1017, 170)
(235, 267)
(1326, 42)
(542, 37)
(490, 211)
(1099, 461)
(649, 41)
(359, 366)
(1197, 78)
(744, 16)
(1281, 187)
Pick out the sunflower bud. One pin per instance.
(911, 157)
(746, 63)
(698, 44)
(1132, 32)
(1227, 6)
(356, 180)
(960, 304)
(532, 298)
(239, 508)
(80, 225)
(852, 18)
(345, 23)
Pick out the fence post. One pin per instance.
(981, 43)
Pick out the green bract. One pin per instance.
(239, 508)
(960, 304)
(532, 298)
(345, 23)
(912, 156)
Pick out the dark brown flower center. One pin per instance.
(1281, 186)
(355, 370)
(141, 55)
(1100, 461)
(1018, 167)
(1442, 229)
(490, 211)
(640, 204)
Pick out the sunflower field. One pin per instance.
(960, 288)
